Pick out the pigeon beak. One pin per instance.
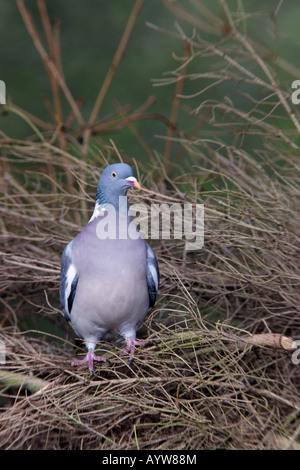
(133, 182)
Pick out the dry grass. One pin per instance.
(218, 370)
(196, 384)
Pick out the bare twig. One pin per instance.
(111, 72)
(49, 64)
(175, 104)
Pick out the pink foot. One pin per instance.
(130, 347)
(90, 357)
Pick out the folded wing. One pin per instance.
(152, 275)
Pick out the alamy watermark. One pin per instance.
(296, 353)
(155, 221)
(2, 352)
(2, 92)
(296, 93)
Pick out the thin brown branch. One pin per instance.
(129, 121)
(262, 64)
(116, 61)
(53, 57)
(49, 64)
(111, 72)
(175, 104)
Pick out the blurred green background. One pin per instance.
(90, 33)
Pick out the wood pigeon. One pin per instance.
(109, 274)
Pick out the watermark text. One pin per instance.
(154, 221)
(2, 92)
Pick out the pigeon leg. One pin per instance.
(130, 347)
(90, 357)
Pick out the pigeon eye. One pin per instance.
(113, 174)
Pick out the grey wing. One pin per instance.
(152, 275)
(68, 281)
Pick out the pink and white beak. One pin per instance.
(133, 182)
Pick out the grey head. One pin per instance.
(115, 181)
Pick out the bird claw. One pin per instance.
(130, 347)
(90, 357)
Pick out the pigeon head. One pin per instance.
(115, 181)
